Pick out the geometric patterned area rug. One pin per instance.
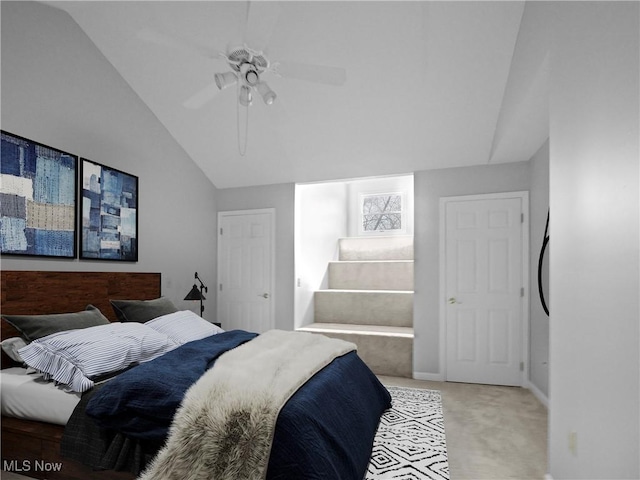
(410, 441)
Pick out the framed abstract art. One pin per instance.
(109, 206)
(38, 191)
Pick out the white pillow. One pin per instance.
(10, 346)
(75, 357)
(184, 326)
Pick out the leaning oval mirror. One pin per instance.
(543, 270)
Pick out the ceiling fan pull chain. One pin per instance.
(242, 150)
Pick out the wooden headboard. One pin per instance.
(39, 293)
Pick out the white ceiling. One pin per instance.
(429, 84)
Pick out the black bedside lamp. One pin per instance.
(196, 293)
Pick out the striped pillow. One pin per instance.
(183, 326)
(75, 357)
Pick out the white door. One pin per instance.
(245, 270)
(484, 289)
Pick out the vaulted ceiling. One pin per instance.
(428, 84)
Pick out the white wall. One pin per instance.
(281, 198)
(58, 89)
(594, 191)
(538, 319)
(321, 219)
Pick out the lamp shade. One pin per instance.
(223, 80)
(245, 97)
(267, 94)
(195, 294)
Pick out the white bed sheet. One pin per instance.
(30, 398)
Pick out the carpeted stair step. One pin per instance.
(386, 350)
(371, 275)
(364, 307)
(376, 248)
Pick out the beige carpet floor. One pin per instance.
(492, 432)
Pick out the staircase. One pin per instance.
(370, 302)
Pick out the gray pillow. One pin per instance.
(11, 345)
(142, 311)
(32, 327)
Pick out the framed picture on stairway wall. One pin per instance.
(109, 206)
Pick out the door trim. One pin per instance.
(524, 197)
(272, 239)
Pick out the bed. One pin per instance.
(34, 447)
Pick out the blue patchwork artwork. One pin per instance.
(109, 213)
(38, 191)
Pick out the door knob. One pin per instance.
(452, 301)
(264, 295)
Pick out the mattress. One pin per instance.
(31, 398)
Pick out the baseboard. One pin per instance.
(541, 397)
(431, 377)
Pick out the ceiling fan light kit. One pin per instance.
(247, 66)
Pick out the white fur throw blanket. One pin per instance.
(224, 427)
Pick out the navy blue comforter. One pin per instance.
(325, 430)
(141, 402)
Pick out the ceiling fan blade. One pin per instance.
(261, 21)
(152, 36)
(311, 73)
(201, 98)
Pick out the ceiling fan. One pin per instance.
(248, 63)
